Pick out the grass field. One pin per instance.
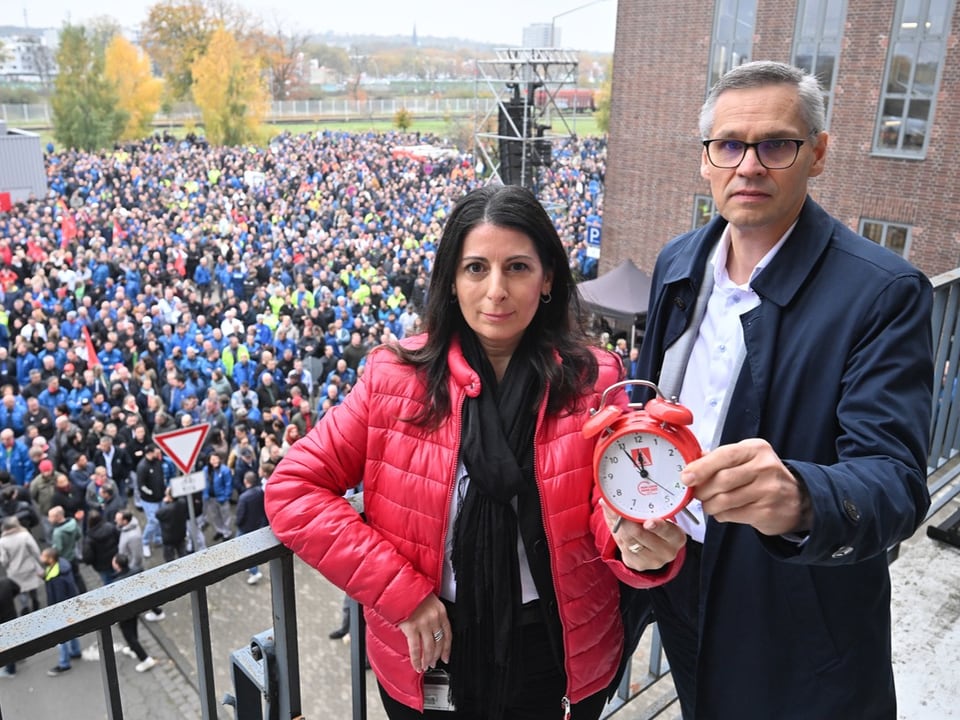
(582, 125)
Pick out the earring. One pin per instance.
(545, 299)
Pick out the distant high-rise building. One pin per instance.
(541, 35)
(414, 40)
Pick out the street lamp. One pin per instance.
(553, 20)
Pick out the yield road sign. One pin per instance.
(182, 446)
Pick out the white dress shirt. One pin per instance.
(715, 357)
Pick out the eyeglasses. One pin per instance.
(774, 154)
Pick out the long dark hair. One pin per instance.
(556, 328)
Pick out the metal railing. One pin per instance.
(99, 609)
(267, 672)
(945, 427)
(345, 109)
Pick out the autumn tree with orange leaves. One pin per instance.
(138, 91)
(229, 89)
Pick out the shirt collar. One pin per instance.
(719, 259)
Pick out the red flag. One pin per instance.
(91, 359)
(68, 228)
(118, 232)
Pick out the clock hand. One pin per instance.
(643, 470)
(639, 459)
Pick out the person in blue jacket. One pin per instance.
(216, 497)
(15, 458)
(804, 353)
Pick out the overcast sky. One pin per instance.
(580, 24)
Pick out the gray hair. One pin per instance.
(761, 74)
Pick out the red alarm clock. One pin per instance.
(640, 454)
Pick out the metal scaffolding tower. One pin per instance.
(525, 83)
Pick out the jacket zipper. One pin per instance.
(541, 416)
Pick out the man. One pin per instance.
(804, 352)
(80, 473)
(36, 384)
(13, 408)
(66, 538)
(117, 463)
(251, 516)
(172, 516)
(42, 489)
(108, 499)
(14, 457)
(130, 544)
(40, 417)
(152, 484)
(60, 583)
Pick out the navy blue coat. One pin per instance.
(250, 513)
(838, 378)
(62, 585)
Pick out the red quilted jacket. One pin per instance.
(394, 559)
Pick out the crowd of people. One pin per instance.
(169, 283)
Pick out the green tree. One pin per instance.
(177, 32)
(604, 96)
(128, 69)
(101, 30)
(174, 35)
(403, 119)
(86, 111)
(230, 91)
(328, 56)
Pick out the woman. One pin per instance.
(484, 550)
(291, 434)
(20, 560)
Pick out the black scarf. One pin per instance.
(497, 451)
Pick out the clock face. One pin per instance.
(639, 475)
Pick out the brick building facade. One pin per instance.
(661, 64)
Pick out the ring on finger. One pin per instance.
(635, 548)
(438, 636)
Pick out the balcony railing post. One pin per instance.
(108, 673)
(284, 602)
(201, 634)
(358, 660)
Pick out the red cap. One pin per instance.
(46, 466)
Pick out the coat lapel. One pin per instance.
(777, 285)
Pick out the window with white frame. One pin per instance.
(893, 236)
(817, 41)
(732, 42)
(915, 58)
